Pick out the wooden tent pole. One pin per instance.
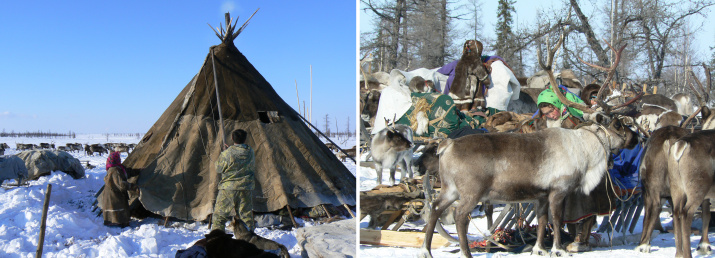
(43, 223)
(218, 100)
(220, 116)
(349, 211)
(290, 213)
(326, 137)
(296, 94)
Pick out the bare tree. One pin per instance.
(430, 32)
(348, 127)
(390, 18)
(410, 34)
(327, 125)
(655, 29)
(475, 24)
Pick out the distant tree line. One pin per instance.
(325, 128)
(38, 134)
(337, 133)
(136, 135)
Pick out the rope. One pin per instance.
(610, 179)
(490, 238)
(420, 105)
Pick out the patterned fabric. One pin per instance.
(228, 201)
(236, 167)
(440, 111)
(115, 161)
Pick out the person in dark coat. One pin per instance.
(115, 198)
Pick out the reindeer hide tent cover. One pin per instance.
(176, 158)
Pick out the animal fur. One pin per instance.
(242, 233)
(390, 147)
(656, 170)
(469, 70)
(540, 166)
(422, 123)
(691, 169)
(417, 84)
(588, 91)
(220, 244)
(684, 104)
(374, 202)
(653, 173)
(658, 100)
(369, 104)
(428, 162)
(653, 117)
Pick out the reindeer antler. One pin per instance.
(387, 123)
(702, 89)
(610, 72)
(548, 68)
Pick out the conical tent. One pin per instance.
(176, 158)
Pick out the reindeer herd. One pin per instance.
(549, 163)
(89, 150)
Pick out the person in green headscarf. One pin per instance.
(550, 106)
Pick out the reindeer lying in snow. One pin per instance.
(524, 167)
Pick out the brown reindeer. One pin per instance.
(691, 174)
(654, 171)
(691, 171)
(122, 148)
(369, 103)
(509, 167)
(529, 167)
(653, 117)
(470, 74)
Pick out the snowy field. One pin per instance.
(73, 230)
(663, 245)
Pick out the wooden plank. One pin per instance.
(402, 220)
(397, 238)
(392, 219)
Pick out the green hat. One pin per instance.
(550, 97)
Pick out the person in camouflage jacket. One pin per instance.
(236, 167)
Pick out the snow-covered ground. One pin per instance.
(663, 245)
(73, 230)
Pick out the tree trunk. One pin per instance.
(586, 29)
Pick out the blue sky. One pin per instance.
(115, 66)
